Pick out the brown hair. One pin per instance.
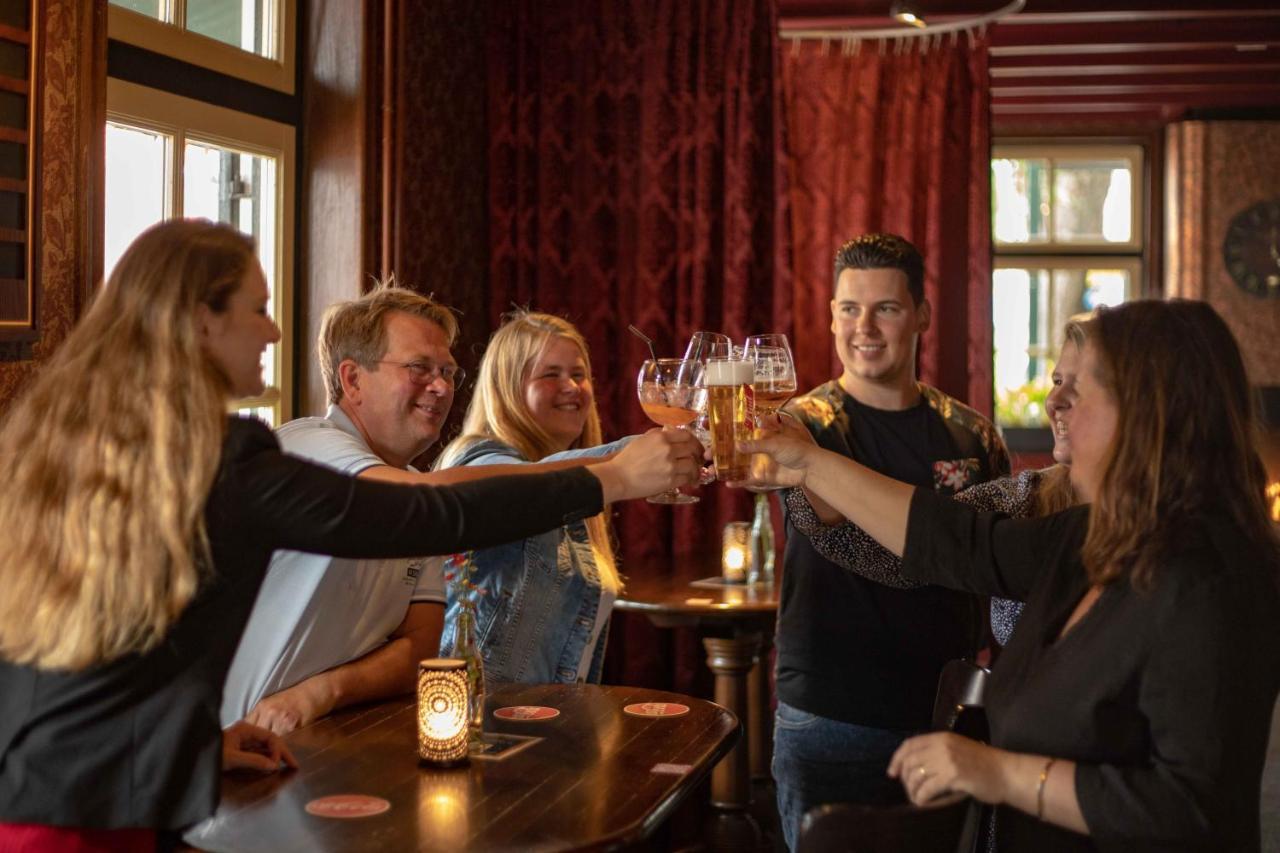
(498, 410)
(1055, 492)
(357, 329)
(1184, 442)
(884, 251)
(108, 459)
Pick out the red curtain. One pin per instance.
(635, 177)
(894, 136)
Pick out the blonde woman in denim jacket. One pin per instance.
(542, 604)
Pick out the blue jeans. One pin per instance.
(817, 761)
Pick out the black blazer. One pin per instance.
(1163, 696)
(136, 742)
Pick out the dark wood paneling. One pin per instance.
(338, 58)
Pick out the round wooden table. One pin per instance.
(736, 622)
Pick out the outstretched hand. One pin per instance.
(660, 459)
(781, 452)
(248, 747)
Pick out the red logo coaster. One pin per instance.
(526, 713)
(656, 709)
(347, 806)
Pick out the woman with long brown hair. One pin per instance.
(139, 520)
(1131, 709)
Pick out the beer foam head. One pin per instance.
(729, 372)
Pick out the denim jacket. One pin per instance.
(540, 595)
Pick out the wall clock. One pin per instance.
(1251, 249)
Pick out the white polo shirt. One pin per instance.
(316, 612)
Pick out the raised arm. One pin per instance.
(292, 504)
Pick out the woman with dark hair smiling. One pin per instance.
(1131, 709)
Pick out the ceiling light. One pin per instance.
(907, 12)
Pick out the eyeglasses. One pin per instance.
(423, 373)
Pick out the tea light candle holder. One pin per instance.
(442, 711)
(735, 552)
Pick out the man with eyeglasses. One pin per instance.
(328, 632)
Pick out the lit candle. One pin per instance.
(735, 558)
(442, 711)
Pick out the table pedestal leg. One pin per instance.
(731, 659)
(760, 719)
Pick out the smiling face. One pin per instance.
(876, 324)
(557, 391)
(1061, 399)
(1091, 424)
(399, 417)
(237, 337)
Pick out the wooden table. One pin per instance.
(737, 624)
(589, 783)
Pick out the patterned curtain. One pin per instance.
(889, 136)
(635, 177)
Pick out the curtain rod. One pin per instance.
(969, 24)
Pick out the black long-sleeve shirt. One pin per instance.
(136, 742)
(1163, 696)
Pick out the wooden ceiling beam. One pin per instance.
(1155, 86)
(1207, 62)
(1232, 31)
(1103, 45)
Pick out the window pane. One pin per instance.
(1030, 309)
(1020, 192)
(1092, 201)
(150, 8)
(240, 189)
(137, 183)
(245, 24)
(262, 413)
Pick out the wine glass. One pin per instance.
(703, 346)
(775, 376)
(671, 394)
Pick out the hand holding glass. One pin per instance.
(671, 394)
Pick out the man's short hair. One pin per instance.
(880, 252)
(357, 329)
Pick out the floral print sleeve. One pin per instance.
(849, 547)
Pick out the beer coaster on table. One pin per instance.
(526, 713)
(656, 709)
(673, 769)
(347, 806)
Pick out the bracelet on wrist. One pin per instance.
(1044, 777)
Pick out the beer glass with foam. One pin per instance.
(730, 414)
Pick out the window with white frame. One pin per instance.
(173, 156)
(1068, 235)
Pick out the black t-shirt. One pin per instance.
(854, 650)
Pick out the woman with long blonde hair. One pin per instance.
(139, 520)
(1131, 709)
(542, 605)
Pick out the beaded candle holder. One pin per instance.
(442, 711)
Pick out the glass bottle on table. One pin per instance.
(671, 395)
(467, 649)
(762, 554)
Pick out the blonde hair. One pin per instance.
(109, 457)
(357, 329)
(498, 411)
